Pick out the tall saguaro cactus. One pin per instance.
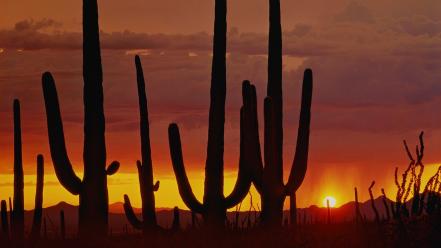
(268, 179)
(215, 204)
(38, 210)
(145, 170)
(18, 203)
(92, 189)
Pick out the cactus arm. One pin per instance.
(300, 162)
(130, 214)
(38, 210)
(112, 168)
(243, 182)
(185, 190)
(253, 128)
(156, 186)
(62, 165)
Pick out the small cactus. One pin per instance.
(358, 217)
(176, 225)
(4, 220)
(62, 226)
(38, 210)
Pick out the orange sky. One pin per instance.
(377, 81)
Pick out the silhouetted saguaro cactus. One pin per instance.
(18, 203)
(62, 225)
(92, 190)
(4, 220)
(374, 208)
(176, 225)
(215, 204)
(145, 170)
(268, 179)
(38, 209)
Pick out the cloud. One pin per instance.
(31, 25)
(355, 12)
(376, 71)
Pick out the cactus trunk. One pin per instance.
(18, 203)
(93, 209)
(215, 212)
(92, 190)
(293, 209)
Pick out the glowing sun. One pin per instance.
(331, 200)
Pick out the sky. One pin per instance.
(377, 81)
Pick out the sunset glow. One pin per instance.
(347, 148)
(332, 201)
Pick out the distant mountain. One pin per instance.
(118, 221)
(118, 208)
